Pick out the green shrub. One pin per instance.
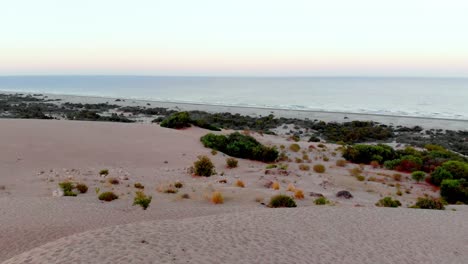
(66, 186)
(204, 167)
(231, 163)
(458, 169)
(429, 203)
(69, 193)
(388, 202)
(177, 120)
(319, 168)
(82, 188)
(104, 172)
(108, 196)
(295, 147)
(418, 175)
(321, 201)
(282, 200)
(240, 146)
(142, 199)
(454, 191)
(439, 175)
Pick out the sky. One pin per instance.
(235, 37)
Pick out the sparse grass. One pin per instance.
(283, 166)
(341, 163)
(104, 172)
(259, 199)
(231, 163)
(290, 188)
(298, 194)
(305, 157)
(298, 160)
(214, 152)
(138, 185)
(178, 185)
(282, 200)
(356, 171)
(113, 181)
(319, 168)
(108, 196)
(271, 166)
(204, 167)
(66, 186)
(304, 167)
(97, 190)
(295, 147)
(142, 199)
(170, 189)
(321, 201)
(82, 188)
(372, 179)
(388, 202)
(360, 178)
(240, 184)
(399, 193)
(217, 197)
(275, 185)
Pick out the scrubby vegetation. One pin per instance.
(275, 185)
(204, 167)
(298, 194)
(429, 203)
(304, 167)
(282, 200)
(319, 168)
(454, 191)
(178, 185)
(177, 120)
(67, 188)
(240, 146)
(108, 196)
(231, 163)
(138, 185)
(388, 202)
(295, 147)
(142, 200)
(104, 172)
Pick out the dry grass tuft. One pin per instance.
(341, 163)
(319, 168)
(304, 167)
(356, 171)
(291, 188)
(299, 194)
(375, 164)
(217, 198)
(240, 183)
(275, 186)
(295, 147)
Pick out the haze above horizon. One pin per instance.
(236, 38)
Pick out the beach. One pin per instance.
(38, 227)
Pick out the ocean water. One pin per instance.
(421, 97)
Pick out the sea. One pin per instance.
(445, 98)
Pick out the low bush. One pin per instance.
(396, 177)
(304, 167)
(282, 200)
(214, 152)
(429, 203)
(142, 200)
(295, 147)
(418, 175)
(271, 166)
(360, 178)
(178, 185)
(362, 153)
(321, 201)
(108, 196)
(356, 171)
(217, 197)
(388, 202)
(66, 186)
(231, 163)
(440, 174)
(114, 181)
(204, 167)
(82, 188)
(240, 146)
(319, 168)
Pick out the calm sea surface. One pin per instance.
(424, 97)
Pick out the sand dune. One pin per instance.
(302, 235)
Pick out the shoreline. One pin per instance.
(255, 111)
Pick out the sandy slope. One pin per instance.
(302, 235)
(35, 155)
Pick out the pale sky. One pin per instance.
(236, 37)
